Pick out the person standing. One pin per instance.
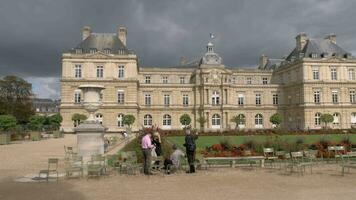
(190, 147)
(146, 146)
(157, 143)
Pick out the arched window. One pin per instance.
(353, 118)
(99, 118)
(317, 121)
(215, 98)
(216, 121)
(147, 120)
(120, 122)
(336, 118)
(167, 120)
(258, 121)
(242, 119)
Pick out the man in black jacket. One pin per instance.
(190, 147)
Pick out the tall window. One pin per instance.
(147, 120)
(353, 118)
(333, 74)
(264, 81)
(166, 99)
(248, 80)
(78, 71)
(182, 80)
(120, 97)
(351, 74)
(147, 79)
(164, 79)
(120, 122)
(99, 71)
(275, 99)
(121, 72)
(316, 74)
(258, 99)
(258, 121)
(99, 118)
(316, 96)
(352, 96)
(336, 118)
(77, 96)
(215, 120)
(147, 99)
(334, 96)
(215, 98)
(317, 121)
(185, 100)
(167, 120)
(240, 99)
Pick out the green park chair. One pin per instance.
(96, 166)
(270, 156)
(74, 166)
(51, 169)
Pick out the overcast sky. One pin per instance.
(34, 33)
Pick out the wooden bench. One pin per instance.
(233, 160)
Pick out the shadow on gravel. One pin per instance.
(10, 190)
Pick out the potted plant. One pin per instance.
(326, 118)
(128, 120)
(7, 124)
(276, 120)
(36, 125)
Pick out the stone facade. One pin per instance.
(317, 77)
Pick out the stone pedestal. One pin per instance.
(90, 139)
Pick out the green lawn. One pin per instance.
(204, 141)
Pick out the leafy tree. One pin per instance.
(185, 119)
(37, 122)
(78, 118)
(55, 121)
(326, 118)
(15, 99)
(128, 120)
(276, 119)
(238, 119)
(7, 122)
(201, 121)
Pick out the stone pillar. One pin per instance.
(90, 139)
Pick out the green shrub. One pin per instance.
(36, 122)
(7, 122)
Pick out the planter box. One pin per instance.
(35, 136)
(58, 134)
(5, 139)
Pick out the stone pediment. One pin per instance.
(98, 55)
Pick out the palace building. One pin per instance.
(317, 77)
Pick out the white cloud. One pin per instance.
(45, 87)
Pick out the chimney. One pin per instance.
(301, 40)
(331, 38)
(263, 61)
(86, 31)
(122, 33)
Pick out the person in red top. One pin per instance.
(146, 145)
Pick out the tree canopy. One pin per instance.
(128, 120)
(185, 119)
(7, 122)
(15, 98)
(276, 119)
(326, 118)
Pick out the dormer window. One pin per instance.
(347, 55)
(314, 55)
(324, 55)
(107, 51)
(79, 51)
(92, 51)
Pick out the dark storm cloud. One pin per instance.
(34, 33)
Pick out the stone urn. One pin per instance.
(90, 133)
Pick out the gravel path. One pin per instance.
(21, 159)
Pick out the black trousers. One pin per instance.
(146, 161)
(191, 160)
